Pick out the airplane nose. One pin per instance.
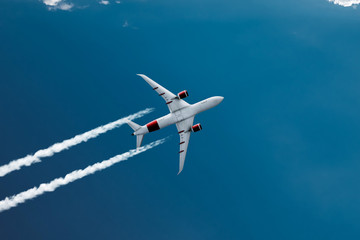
(219, 99)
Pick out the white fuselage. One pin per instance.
(179, 115)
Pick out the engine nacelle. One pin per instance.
(182, 94)
(196, 127)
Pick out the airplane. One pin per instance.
(181, 113)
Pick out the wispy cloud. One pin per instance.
(34, 192)
(52, 2)
(346, 3)
(126, 24)
(66, 144)
(104, 2)
(68, 5)
(58, 4)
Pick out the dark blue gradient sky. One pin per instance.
(278, 159)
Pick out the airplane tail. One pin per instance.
(139, 139)
(135, 127)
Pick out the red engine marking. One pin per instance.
(181, 151)
(169, 102)
(153, 126)
(183, 94)
(196, 127)
(181, 143)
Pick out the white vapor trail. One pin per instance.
(13, 201)
(66, 144)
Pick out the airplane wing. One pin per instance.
(184, 129)
(173, 103)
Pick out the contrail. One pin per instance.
(66, 144)
(15, 200)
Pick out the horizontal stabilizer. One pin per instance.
(133, 125)
(139, 139)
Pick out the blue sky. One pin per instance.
(277, 159)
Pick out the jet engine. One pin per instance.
(196, 127)
(182, 94)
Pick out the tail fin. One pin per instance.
(135, 127)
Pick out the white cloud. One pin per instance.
(104, 2)
(52, 3)
(346, 3)
(66, 6)
(58, 4)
